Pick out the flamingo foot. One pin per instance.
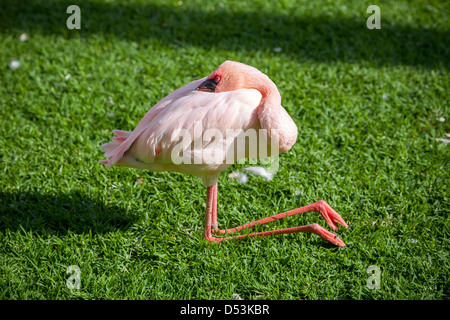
(332, 218)
(311, 228)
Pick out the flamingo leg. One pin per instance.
(214, 223)
(330, 216)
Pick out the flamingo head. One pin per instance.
(231, 75)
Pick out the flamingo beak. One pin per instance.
(207, 85)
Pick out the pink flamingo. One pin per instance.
(234, 96)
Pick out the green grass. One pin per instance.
(369, 105)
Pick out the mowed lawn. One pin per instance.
(372, 110)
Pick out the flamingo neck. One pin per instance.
(273, 117)
(270, 95)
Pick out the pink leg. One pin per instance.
(214, 224)
(330, 216)
(209, 213)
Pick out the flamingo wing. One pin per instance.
(114, 150)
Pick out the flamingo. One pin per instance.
(235, 97)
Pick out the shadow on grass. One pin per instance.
(60, 214)
(322, 38)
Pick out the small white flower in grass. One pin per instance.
(411, 240)
(297, 193)
(23, 37)
(260, 171)
(441, 119)
(446, 141)
(242, 178)
(14, 64)
(67, 77)
(384, 96)
(277, 49)
(235, 296)
(239, 176)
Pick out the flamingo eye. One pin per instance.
(217, 79)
